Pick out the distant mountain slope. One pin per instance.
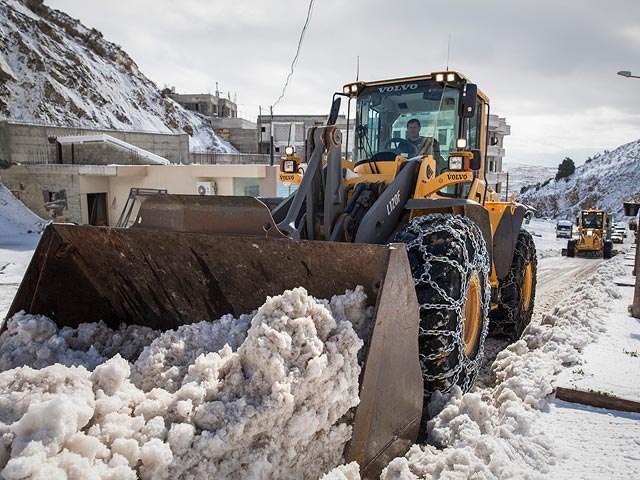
(521, 175)
(53, 70)
(604, 182)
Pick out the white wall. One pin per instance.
(117, 181)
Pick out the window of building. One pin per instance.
(246, 187)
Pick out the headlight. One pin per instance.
(461, 143)
(351, 89)
(440, 77)
(289, 166)
(289, 150)
(455, 163)
(451, 77)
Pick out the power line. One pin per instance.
(295, 59)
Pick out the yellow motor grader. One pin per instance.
(412, 220)
(594, 230)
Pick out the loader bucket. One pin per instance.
(164, 279)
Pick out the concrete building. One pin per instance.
(239, 132)
(97, 194)
(222, 115)
(497, 179)
(207, 104)
(292, 130)
(89, 183)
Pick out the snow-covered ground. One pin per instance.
(19, 235)
(511, 427)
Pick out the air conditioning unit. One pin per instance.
(206, 188)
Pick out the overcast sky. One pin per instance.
(548, 66)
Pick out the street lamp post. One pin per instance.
(635, 307)
(625, 73)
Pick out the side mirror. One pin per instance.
(468, 100)
(476, 161)
(335, 110)
(493, 141)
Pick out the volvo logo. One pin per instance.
(456, 176)
(398, 88)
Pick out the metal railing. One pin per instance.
(228, 159)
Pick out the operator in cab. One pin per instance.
(413, 133)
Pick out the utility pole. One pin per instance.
(631, 208)
(271, 128)
(259, 129)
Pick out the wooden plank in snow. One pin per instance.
(597, 400)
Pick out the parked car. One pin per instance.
(617, 237)
(564, 229)
(621, 230)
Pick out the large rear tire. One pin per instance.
(450, 267)
(607, 249)
(517, 290)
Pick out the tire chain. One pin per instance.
(509, 322)
(462, 229)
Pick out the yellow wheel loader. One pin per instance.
(594, 232)
(410, 219)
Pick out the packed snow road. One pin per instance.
(558, 276)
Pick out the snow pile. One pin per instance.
(35, 341)
(254, 397)
(15, 218)
(19, 234)
(493, 433)
(350, 471)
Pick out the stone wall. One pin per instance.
(245, 140)
(28, 181)
(36, 144)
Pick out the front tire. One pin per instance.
(517, 290)
(450, 267)
(571, 248)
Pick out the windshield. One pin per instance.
(408, 119)
(592, 220)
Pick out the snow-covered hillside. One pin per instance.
(604, 182)
(521, 175)
(54, 70)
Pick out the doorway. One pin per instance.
(97, 209)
